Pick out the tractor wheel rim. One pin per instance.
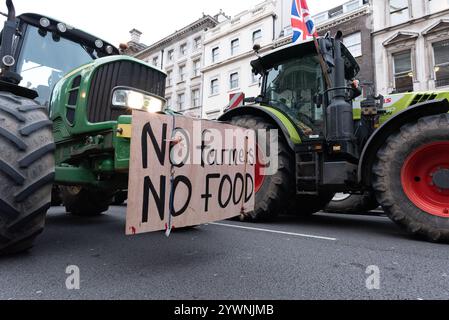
(259, 177)
(418, 178)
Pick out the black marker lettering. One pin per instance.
(159, 198)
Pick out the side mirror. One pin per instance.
(249, 100)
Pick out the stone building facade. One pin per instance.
(228, 51)
(180, 55)
(354, 19)
(134, 46)
(411, 45)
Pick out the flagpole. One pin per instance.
(323, 63)
(301, 9)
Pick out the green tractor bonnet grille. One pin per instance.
(120, 74)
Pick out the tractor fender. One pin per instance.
(378, 139)
(289, 130)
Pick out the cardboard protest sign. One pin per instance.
(189, 171)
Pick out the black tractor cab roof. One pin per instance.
(280, 55)
(101, 47)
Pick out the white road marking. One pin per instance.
(275, 231)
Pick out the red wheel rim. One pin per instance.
(418, 178)
(259, 177)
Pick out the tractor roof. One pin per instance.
(288, 52)
(72, 33)
(277, 56)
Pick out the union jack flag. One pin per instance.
(302, 22)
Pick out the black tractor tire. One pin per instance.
(27, 171)
(388, 174)
(86, 202)
(305, 205)
(276, 190)
(353, 204)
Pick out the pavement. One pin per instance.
(327, 256)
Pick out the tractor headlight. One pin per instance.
(44, 22)
(136, 100)
(62, 27)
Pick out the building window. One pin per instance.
(169, 78)
(235, 47)
(351, 6)
(215, 54)
(403, 71)
(257, 36)
(321, 17)
(254, 78)
(354, 44)
(197, 43)
(155, 61)
(399, 11)
(438, 5)
(182, 73)
(181, 101)
(214, 87)
(196, 68)
(234, 80)
(168, 104)
(441, 68)
(196, 98)
(171, 55)
(183, 49)
(337, 11)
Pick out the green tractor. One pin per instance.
(65, 102)
(364, 203)
(396, 148)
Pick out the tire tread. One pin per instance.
(22, 220)
(387, 158)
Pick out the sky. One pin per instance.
(112, 20)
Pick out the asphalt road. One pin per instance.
(324, 257)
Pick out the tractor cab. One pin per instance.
(294, 83)
(38, 51)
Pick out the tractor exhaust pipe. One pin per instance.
(339, 114)
(11, 10)
(7, 60)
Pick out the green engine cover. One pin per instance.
(85, 124)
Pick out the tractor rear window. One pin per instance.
(45, 59)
